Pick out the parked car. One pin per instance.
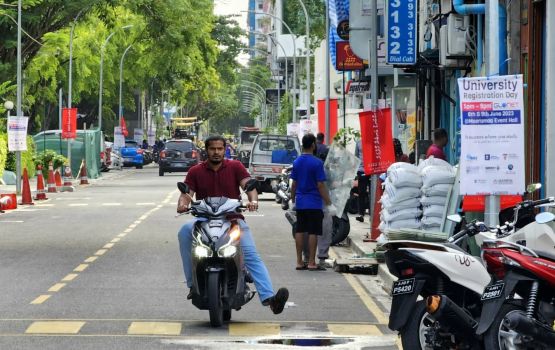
(178, 156)
(132, 154)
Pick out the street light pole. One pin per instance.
(120, 110)
(19, 97)
(307, 47)
(101, 80)
(327, 74)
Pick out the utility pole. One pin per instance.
(19, 109)
(327, 74)
(373, 61)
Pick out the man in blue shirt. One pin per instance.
(308, 193)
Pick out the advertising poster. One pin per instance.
(492, 135)
(307, 126)
(69, 123)
(293, 129)
(17, 133)
(138, 136)
(377, 141)
(151, 137)
(119, 139)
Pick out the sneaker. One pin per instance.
(360, 218)
(190, 295)
(277, 302)
(323, 263)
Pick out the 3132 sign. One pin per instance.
(401, 32)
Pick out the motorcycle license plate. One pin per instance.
(215, 223)
(403, 287)
(494, 291)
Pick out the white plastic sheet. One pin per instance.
(341, 167)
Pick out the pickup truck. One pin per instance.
(270, 154)
(132, 154)
(246, 139)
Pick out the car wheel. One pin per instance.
(139, 167)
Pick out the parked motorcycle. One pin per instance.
(449, 280)
(220, 279)
(518, 310)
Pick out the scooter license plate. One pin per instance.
(215, 223)
(494, 291)
(403, 287)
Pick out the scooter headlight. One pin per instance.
(227, 251)
(234, 233)
(202, 252)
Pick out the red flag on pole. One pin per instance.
(377, 141)
(124, 127)
(69, 123)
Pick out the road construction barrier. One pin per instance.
(51, 179)
(41, 193)
(83, 173)
(26, 198)
(68, 178)
(8, 201)
(58, 177)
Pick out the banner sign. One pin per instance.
(492, 135)
(307, 126)
(346, 59)
(357, 87)
(17, 133)
(119, 138)
(123, 127)
(401, 32)
(69, 123)
(322, 117)
(138, 136)
(376, 140)
(151, 137)
(293, 129)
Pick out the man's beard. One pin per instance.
(214, 161)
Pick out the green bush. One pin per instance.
(3, 152)
(44, 159)
(26, 159)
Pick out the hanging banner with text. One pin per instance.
(119, 138)
(376, 140)
(69, 123)
(151, 137)
(293, 129)
(322, 117)
(492, 135)
(138, 136)
(307, 126)
(17, 133)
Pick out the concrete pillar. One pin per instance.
(549, 103)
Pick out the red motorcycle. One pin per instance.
(518, 307)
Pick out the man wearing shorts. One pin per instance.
(308, 193)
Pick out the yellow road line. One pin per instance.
(108, 245)
(41, 299)
(121, 235)
(57, 287)
(132, 225)
(254, 329)
(154, 328)
(144, 217)
(115, 240)
(138, 221)
(358, 330)
(91, 259)
(100, 252)
(70, 277)
(54, 327)
(81, 268)
(127, 230)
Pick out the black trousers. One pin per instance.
(363, 191)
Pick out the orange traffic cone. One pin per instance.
(26, 198)
(41, 193)
(51, 180)
(83, 173)
(58, 178)
(68, 177)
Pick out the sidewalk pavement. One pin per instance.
(359, 231)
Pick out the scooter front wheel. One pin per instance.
(215, 306)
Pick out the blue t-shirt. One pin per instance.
(307, 172)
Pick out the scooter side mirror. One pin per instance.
(252, 184)
(545, 217)
(183, 187)
(455, 218)
(533, 187)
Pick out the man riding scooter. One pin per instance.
(219, 177)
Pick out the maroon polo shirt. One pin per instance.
(224, 182)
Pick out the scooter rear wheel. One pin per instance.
(215, 306)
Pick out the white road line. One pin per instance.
(111, 204)
(78, 204)
(145, 204)
(13, 221)
(30, 210)
(44, 205)
(73, 198)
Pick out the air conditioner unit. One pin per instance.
(453, 36)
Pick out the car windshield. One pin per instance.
(179, 146)
(131, 144)
(276, 144)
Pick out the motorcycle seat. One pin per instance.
(544, 254)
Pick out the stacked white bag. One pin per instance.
(438, 177)
(401, 198)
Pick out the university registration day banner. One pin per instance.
(492, 135)
(17, 133)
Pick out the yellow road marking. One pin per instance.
(138, 221)
(100, 252)
(115, 240)
(91, 259)
(127, 230)
(41, 299)
(144, 217)
(154, 328)
(70, 277)
(363, 295)
(108, 245)
(132, 225)
(121, 235)
(81, 268)
(57, 287)
(254, 329)
(54, 327)
(354, 329)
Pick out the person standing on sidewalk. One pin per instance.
(321, 149)
(363, 184)
(308, 191)
(440, 141)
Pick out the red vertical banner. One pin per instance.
(69, 123)
(123, 126)
(322, 117)
(377, 141)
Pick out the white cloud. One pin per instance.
(234, 7)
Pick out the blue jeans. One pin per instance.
(252, 260)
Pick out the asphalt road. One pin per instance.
(100, 268)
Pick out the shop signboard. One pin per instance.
(401, 32)
(17, 133)
(376, 140)
(346, 60)
(492, 135)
